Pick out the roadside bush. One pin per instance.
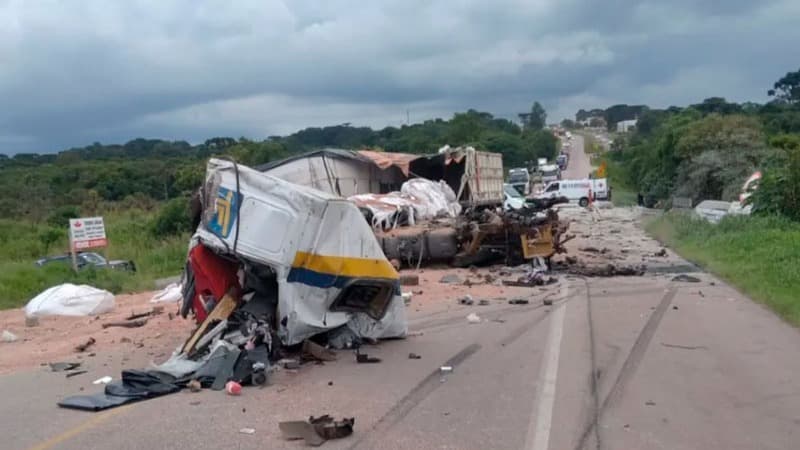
(59, 218)
(172, 219)
(779, 188)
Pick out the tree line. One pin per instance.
(144, 172)
(707, 150)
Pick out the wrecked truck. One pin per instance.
(306, 257)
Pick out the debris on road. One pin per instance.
(473, 318)
(103, 380)
(83, 347)
(686, 278)
(9, 337)
(466, 300)
(518, 301)
(172, 293)
(409, 280)
(233, 388)
(547, 302)
(414, 356)
(126, 324)
(156, 310)
(451, 278)
(77, 372)
(247, 430)
(483, 302)
(316, 431)
(63, 366)
(661, 253)
(363, 358)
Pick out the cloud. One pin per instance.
(77, 72)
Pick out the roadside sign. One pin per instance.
(88, 232)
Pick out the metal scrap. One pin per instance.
(127, 324)
(316, 430)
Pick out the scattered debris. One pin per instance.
(686, 278)
(289, 363)
(316, 431)
(103, 380)
(473, 318)
(407, 297)
(518, 301)
(128, 324)
(31, 321)
(685, 347)
(63, 366)
(317, 352)
(466, 300)
(77, 372)
(451, 278)
(446, 369)
(194, 386)
(9, 336)
(547, 302)
(650, 403)
(247, 430)
(674, 306)
(593, 250)
(414, 356)
(608, 270)
(172, 293)
(156, 310)
(409, 280)
(83, 347)
(661, 253)
(363, 358)
(233, 388)
(483, 302)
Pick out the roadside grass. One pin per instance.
(623, 194)
(129, 238)
(758, 255)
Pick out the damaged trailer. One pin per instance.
(307, 255)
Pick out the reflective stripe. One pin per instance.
(343, 266)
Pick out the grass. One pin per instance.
(758, 255)
(129, 238)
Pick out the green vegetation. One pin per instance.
(130, 237)
(759, 255)
(708, 150)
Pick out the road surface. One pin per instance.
(615, 363)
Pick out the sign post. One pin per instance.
(86, 233)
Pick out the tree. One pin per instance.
(536, 119)
(787, 89)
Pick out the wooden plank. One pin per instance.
(220, 312)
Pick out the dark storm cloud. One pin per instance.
(75, 73)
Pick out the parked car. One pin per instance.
(88, 259)
(513, 199)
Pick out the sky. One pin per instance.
(83, 71)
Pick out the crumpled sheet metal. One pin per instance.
(317, 243)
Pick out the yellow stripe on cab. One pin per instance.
(345, 266)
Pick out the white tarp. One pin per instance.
(70, 300)
(431, 198)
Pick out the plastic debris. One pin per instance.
(63, 366)
(9, 336)
(247, 430)
(466, 300)
(317, 430)
(686, 278)
(473, 318)
(414, 356)
(233, 388)
(104, 380)
(170, 294)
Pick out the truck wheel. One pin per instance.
(583, 202)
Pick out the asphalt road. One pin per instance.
(616, 363)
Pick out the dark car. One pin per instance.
(89, 259)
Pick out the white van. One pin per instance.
(577, 190)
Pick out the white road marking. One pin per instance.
(538, 437)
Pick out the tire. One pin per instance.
(583, 202)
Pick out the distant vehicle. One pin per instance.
(520, 179)
(514, 200)
(712, 210)
(88, 259)
(562, 161)
(550, 172)
(577, 190)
